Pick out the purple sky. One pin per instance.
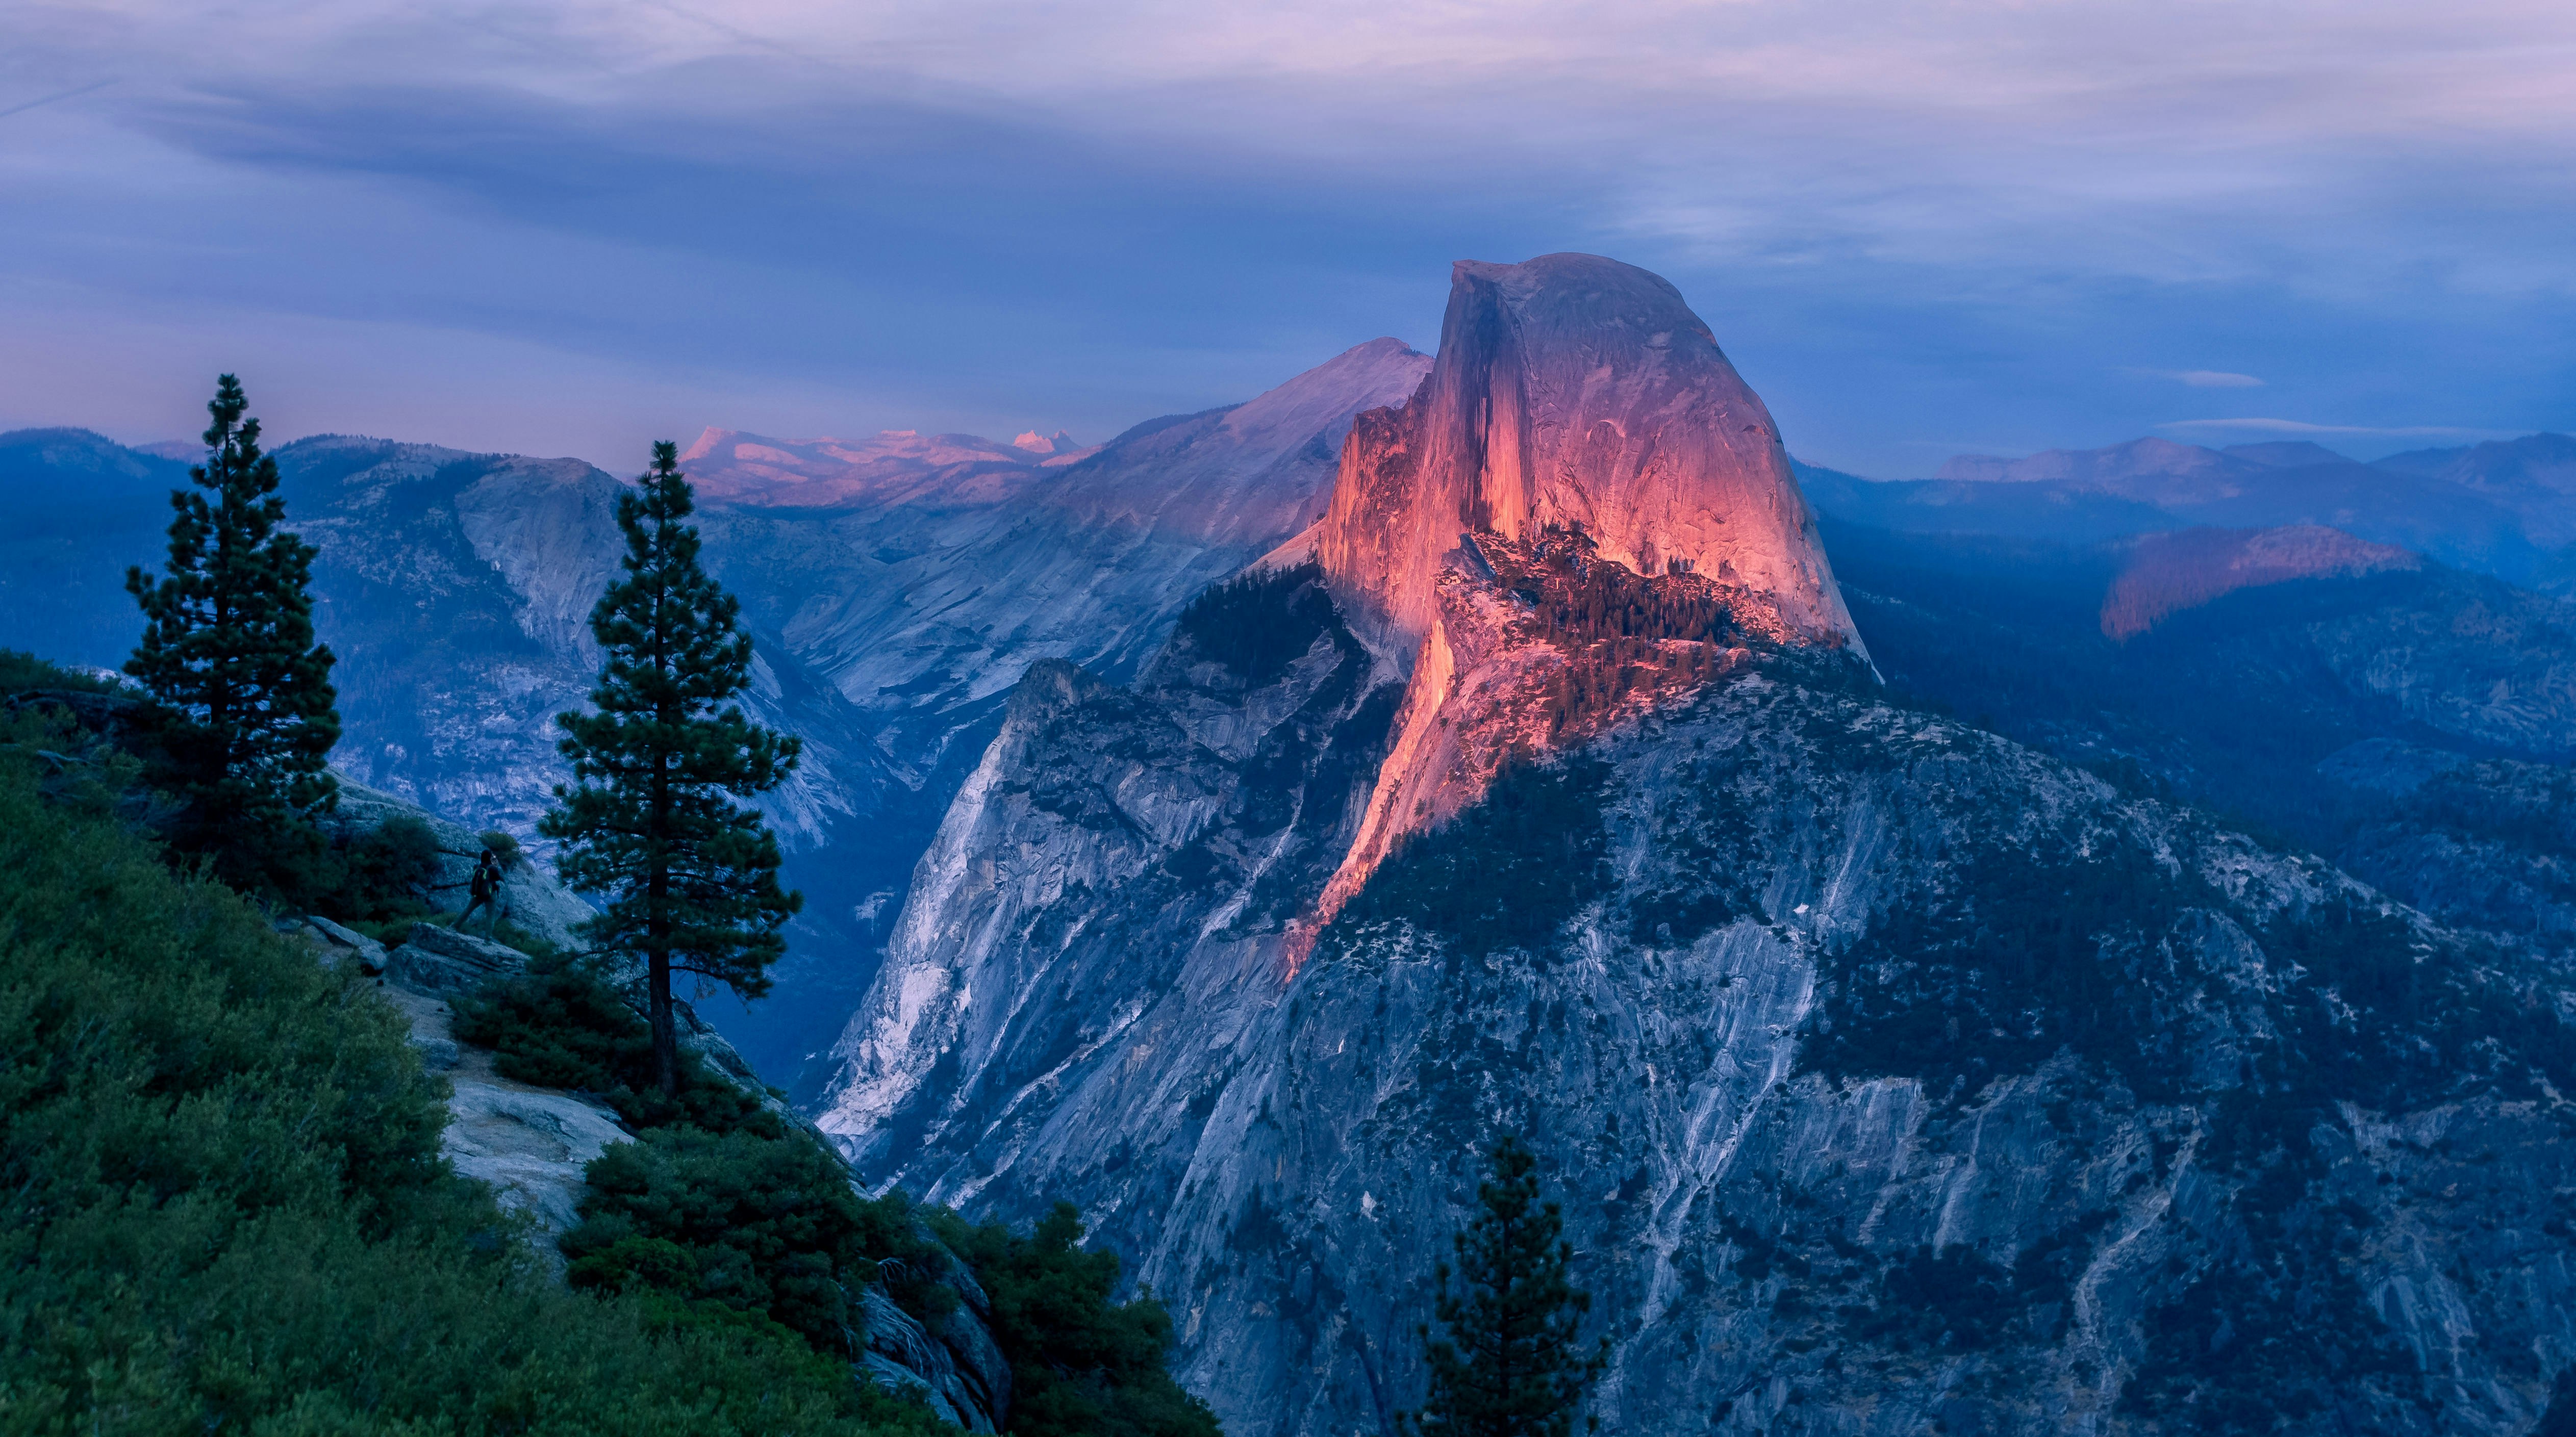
(1918, 229)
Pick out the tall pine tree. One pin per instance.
(690, 880)
(1507, 1365)
(242, 719)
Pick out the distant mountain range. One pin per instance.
(897, 587)
(2505, 508)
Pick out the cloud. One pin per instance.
(2204, 378)
(986, 213)
(73, 93)
(2296, 426)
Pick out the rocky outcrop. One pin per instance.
(959, 1373)
(530, 897)
(346, 945)
(530, 1144)
(443, 961)
(533, 1146)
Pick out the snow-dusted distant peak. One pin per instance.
(735, 467)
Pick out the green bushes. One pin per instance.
(380, 876)
(562, 1025)
(21, 671)
(226, 1209)
(749, 1222)
(721, 1212)
(1080, 1367)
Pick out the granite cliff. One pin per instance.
(1897, 1076)
(1581, 446)
(1573, 392)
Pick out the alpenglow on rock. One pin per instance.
(1579, 422)
(1576, 392)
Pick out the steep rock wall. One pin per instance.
(1577, 392)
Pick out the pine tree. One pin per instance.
(242, 719)
(690, 880)
(1507, 1366)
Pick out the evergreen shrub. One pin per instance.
(227, 1211)
(1081, 1366)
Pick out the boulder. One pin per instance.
(442, 960)
(346, 944)
(530, 1145)
(903, 1356)
(983, 1373)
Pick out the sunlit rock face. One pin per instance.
(2168, 573)
(1574, 399)
(1576, 392)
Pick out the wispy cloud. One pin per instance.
(2203, 378)
(74, 93)
(2297, 426)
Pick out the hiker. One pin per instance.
(484, 892)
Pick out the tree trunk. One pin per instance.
(657, 938)
(657, 957)
(666, 1034)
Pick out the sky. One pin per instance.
(1919, 229)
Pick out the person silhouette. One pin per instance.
(484, 891)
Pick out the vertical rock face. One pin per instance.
(1894, 1077)
(1576, 392)
(1578, 400)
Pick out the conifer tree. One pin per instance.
(1507, 1365)
(690, 880)
(242, 718)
